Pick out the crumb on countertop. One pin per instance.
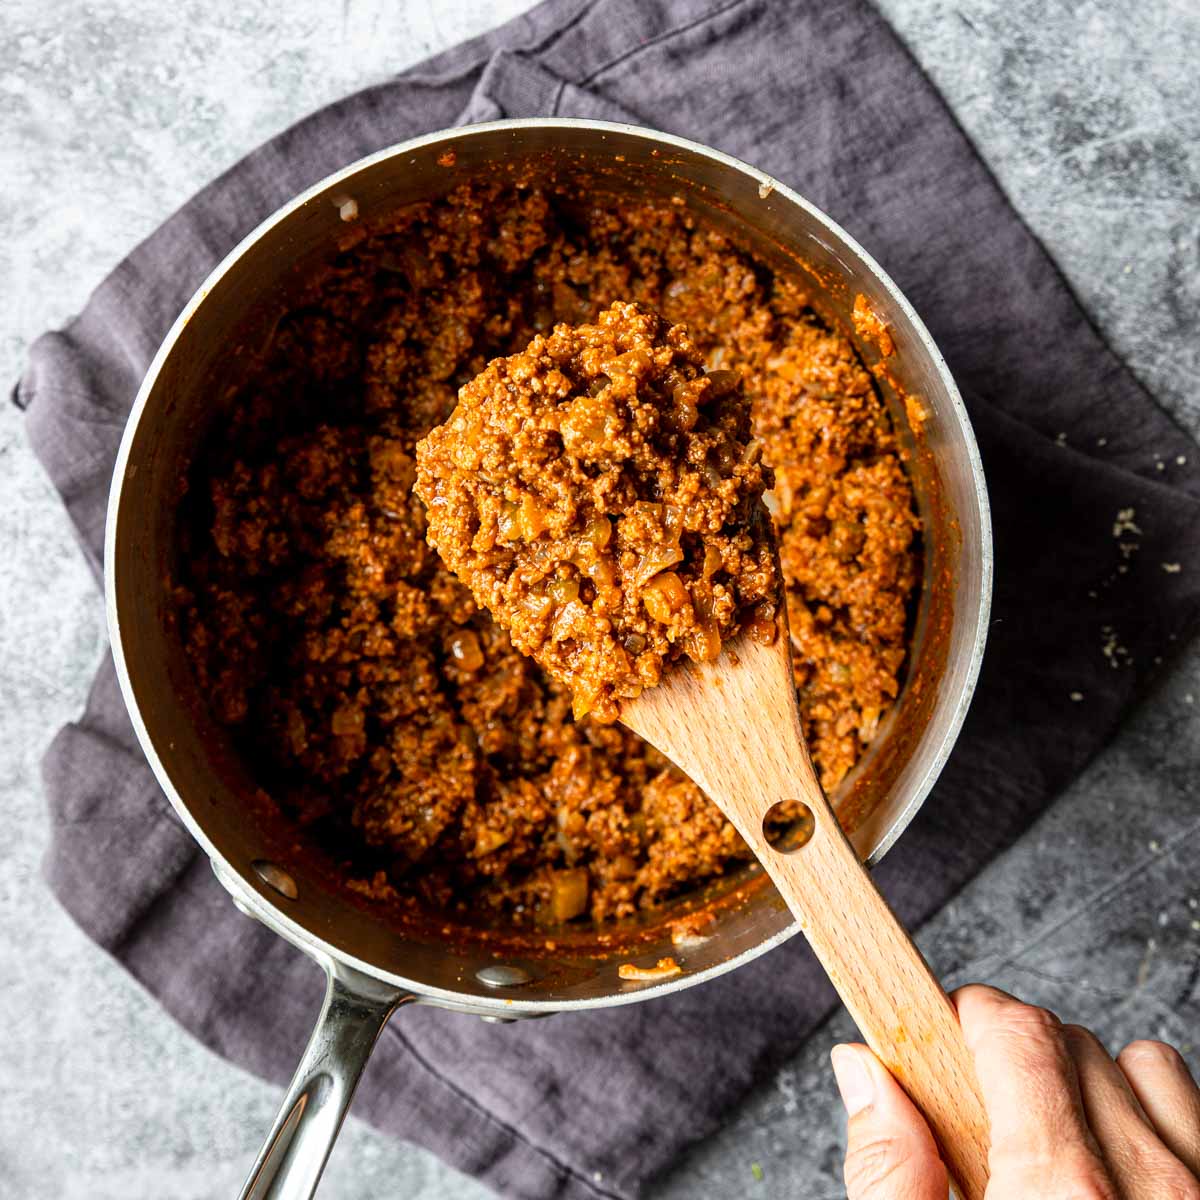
(1125, 522)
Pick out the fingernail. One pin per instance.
(853, 1079)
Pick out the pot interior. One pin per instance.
(215, 341)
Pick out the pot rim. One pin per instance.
(252, 900)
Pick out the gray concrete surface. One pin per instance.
(113, 112)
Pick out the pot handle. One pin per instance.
(354, 1012)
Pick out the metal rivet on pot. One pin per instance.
(226, 881)
(275, 877)
(502, 975)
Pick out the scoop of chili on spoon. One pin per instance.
(601, 495)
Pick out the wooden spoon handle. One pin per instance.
(888, 988)
(733, 726)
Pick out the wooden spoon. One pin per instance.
(734, 728)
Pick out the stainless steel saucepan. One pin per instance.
(372, 969)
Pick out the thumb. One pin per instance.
(890, 1153)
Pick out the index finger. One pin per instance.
(1040, 1134)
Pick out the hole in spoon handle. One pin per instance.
(788, 826)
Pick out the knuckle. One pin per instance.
(1174, 1184)
(1029, 1018)
(1092, 1189)
(1149, 1050)
(1080, 1035)
(1072, 1175)
(1086, 1179)
(880, 1165)
(1143, 1157)
(1025, 1023)
(982, 992)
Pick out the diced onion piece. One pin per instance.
(763, 627)
(846, 538)
(656, 559)
(570, 820)
(599, 571)
(721, 382)
(506, 523)
(568, 893)
(702, 644)
(665, 597)
(347, 721)
(636, 362)
(624, 866)
(868, 722)
(598, 532)
(297, 732)
(538, 604)
(752, 452)
(648, 508)
(686, 414)
(582, 702)
(466, 651)
(531, 518)
(489, 840)
(563, 591)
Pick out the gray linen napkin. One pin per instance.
(822, 96)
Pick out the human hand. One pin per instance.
(1067, 1121)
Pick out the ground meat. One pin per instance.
(601, 496)
(367, 692)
